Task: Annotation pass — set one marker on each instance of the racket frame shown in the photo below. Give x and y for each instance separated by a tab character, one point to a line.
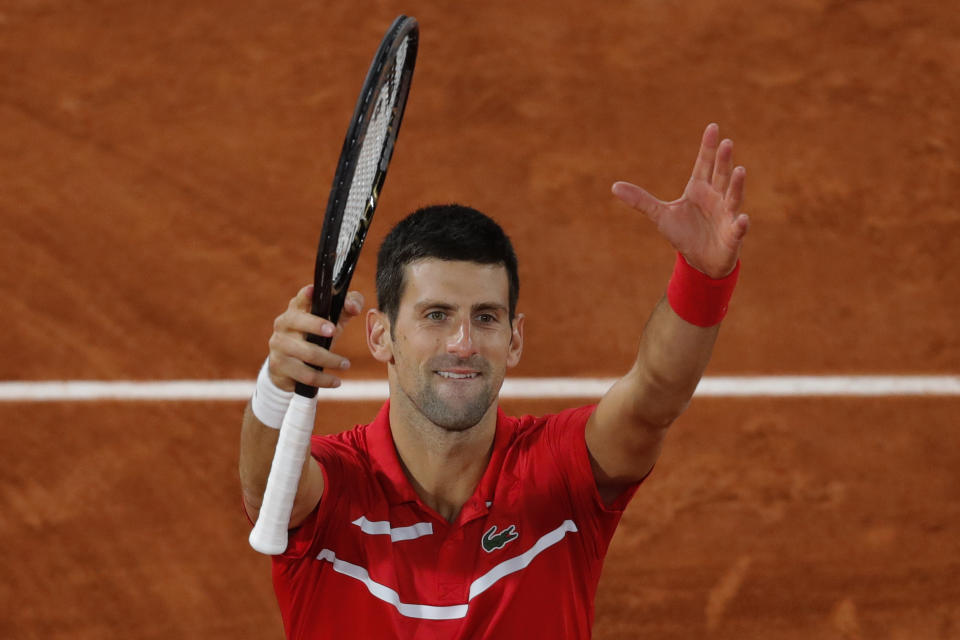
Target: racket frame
329	294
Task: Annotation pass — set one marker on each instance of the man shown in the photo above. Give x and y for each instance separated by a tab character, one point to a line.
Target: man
445	518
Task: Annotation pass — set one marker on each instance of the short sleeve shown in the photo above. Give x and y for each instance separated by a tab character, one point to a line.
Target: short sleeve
566	434
335	462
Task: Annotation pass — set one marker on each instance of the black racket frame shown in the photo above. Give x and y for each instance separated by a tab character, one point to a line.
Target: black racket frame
329	295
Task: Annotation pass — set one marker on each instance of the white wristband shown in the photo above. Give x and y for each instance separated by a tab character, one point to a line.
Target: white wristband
269	403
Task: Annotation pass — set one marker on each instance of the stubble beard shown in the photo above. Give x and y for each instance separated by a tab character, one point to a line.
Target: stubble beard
454	414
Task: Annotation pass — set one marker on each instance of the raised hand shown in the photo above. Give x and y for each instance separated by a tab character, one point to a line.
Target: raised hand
704	224
290	352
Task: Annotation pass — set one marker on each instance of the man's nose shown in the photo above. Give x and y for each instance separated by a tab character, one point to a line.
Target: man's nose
460	343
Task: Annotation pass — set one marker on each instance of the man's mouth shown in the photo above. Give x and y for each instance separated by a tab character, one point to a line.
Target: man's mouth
458	375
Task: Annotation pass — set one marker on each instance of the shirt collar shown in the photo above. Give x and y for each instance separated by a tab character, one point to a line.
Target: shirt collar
389	470
386	461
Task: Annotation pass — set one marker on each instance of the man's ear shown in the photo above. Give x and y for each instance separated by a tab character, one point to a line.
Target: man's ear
378	336
516	341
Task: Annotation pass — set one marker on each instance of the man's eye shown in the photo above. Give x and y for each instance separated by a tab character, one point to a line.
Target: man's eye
436	316
486	318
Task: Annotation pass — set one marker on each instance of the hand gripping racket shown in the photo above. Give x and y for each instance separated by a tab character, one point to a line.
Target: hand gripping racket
356	188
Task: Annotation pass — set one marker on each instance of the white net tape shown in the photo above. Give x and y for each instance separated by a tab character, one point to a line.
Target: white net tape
371	153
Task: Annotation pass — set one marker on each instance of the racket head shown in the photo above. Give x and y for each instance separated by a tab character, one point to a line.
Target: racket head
361	171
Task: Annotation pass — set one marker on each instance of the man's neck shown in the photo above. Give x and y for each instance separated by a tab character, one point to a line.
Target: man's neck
444	467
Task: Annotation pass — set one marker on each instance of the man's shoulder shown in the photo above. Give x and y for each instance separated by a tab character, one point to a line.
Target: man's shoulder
526	424
345	445
529	429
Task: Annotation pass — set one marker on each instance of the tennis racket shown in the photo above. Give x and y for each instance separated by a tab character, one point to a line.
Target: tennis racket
353	198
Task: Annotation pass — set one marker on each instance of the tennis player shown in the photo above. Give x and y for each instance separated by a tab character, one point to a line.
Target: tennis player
444	517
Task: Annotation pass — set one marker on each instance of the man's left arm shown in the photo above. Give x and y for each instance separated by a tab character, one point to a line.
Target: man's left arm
625	433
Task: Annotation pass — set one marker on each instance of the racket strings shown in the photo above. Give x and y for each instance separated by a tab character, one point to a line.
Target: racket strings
361	197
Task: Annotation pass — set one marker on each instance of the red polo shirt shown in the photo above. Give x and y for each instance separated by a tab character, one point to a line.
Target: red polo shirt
521	560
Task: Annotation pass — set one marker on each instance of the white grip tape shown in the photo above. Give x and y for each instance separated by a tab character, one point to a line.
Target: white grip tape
269	535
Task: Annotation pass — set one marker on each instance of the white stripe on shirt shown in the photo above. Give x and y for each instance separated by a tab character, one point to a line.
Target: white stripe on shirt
478	586
521	561
397	534
388	595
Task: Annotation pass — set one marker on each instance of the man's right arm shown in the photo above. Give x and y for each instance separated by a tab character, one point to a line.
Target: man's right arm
289	354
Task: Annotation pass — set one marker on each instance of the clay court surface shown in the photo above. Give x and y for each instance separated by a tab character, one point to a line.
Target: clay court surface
163	169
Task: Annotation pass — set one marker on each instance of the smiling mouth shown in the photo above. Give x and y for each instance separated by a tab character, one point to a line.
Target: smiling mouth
457	376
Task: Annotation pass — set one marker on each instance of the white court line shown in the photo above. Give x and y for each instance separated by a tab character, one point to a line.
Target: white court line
353	390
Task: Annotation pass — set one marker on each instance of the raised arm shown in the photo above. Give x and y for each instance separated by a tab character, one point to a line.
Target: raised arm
625	433
289	351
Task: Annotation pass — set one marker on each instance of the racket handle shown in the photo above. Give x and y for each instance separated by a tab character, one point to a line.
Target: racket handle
269	535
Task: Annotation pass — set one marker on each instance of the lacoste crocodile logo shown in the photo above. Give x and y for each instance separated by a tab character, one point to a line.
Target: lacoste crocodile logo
491	540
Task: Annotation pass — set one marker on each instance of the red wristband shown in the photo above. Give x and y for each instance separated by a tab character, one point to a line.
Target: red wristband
698	298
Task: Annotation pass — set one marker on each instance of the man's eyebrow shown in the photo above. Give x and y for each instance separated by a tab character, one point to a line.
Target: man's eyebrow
447	306
434	304
489	306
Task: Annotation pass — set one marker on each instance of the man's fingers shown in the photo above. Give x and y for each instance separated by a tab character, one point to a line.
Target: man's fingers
286	346
734	195
285	370
637	198
298	316
723	167
310	376
352	305
292	357
703	167
303	300
740	226
300	322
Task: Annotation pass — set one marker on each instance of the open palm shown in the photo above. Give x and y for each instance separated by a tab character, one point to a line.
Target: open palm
704	224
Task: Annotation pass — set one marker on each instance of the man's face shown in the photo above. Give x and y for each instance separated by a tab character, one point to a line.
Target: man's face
452	340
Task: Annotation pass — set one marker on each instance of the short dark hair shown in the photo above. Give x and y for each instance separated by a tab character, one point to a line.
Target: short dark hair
443	232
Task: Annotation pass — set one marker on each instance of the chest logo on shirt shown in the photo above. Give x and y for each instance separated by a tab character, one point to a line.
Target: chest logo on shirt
492	540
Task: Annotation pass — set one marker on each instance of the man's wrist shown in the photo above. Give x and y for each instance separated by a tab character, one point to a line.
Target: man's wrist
698	298
269	403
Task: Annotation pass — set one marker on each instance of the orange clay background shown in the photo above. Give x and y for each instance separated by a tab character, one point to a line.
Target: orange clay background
163	172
